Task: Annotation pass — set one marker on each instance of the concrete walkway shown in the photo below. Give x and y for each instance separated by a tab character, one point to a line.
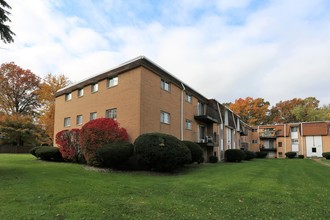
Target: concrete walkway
318	160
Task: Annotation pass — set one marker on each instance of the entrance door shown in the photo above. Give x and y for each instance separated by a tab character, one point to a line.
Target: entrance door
314	146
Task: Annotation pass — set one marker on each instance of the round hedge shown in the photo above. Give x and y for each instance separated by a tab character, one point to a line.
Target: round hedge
326	155
49	153
290	154
261	154
249	155
213	159
196	151
161	152
114	155
234	155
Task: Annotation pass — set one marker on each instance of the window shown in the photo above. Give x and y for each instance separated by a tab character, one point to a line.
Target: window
294	129
313	149
95	87
189	98
201	108
80	92
68	96
165	117
280	154
79	120
67	122
294	141
112	82
254	141
165	85
188	124
254	130
93	116
111	113
279	144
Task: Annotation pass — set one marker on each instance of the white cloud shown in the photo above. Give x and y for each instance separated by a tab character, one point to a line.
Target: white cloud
277	51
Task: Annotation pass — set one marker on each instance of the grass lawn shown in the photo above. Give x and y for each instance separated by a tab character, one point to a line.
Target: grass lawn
259	189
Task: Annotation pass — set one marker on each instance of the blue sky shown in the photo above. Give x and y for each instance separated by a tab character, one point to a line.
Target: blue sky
225	49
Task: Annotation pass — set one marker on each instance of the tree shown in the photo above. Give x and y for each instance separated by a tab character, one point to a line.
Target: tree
298	110
252	111
18	90
19	130
309	111
50	85
282	111
5	32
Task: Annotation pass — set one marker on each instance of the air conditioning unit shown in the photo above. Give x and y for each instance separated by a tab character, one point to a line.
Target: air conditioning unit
209	139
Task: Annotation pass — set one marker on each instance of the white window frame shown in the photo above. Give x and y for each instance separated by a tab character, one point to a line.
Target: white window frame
189	98
80	92
111	113
92	116
165	85
68	96
254	141
165	117
67	122
188	124
79	119
95	87
112	82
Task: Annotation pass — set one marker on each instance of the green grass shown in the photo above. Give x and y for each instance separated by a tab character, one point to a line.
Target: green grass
259	189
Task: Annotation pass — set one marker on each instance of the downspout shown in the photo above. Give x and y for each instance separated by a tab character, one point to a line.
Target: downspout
284	138
302	138
220	130
181	111
235	130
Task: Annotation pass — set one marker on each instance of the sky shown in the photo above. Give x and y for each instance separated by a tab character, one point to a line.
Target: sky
226	49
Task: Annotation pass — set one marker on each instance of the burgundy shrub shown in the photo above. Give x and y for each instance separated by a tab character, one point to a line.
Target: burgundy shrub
98	133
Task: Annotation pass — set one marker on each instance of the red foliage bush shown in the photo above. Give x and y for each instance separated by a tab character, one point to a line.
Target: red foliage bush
68	144
98	133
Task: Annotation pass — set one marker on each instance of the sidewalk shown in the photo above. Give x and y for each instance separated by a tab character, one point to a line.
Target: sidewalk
318	160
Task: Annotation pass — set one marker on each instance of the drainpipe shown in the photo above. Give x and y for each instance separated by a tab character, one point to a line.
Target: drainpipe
220	130
302	138
235	138
284	138
181	112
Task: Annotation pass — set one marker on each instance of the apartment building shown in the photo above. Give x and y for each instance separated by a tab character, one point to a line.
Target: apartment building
310	139
143	98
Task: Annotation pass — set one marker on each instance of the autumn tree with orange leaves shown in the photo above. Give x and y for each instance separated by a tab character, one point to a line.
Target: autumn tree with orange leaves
252	111
18	90
49	86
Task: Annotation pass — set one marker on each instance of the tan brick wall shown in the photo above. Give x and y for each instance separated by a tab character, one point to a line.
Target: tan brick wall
125	97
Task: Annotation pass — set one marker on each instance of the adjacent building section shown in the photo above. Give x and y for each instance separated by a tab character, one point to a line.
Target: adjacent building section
310	139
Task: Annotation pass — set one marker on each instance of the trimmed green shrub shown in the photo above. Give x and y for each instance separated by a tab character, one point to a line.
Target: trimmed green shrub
326	155
249	155
33	150
234	155
114	155
301	156
196	152
161	152
213	159
261	154
49	153
290	154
